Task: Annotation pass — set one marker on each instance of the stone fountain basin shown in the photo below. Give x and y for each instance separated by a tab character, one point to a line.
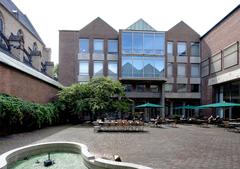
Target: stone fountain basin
89	160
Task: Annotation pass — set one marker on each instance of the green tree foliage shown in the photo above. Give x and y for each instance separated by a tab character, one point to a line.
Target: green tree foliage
19	115
100	95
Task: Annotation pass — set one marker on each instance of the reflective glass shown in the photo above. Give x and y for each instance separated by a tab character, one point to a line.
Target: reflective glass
83	68
195	70
168	87
127	66
83	45
137	66
127	42
169	69
181	87
159	44
112	68
148	43
112	46
149	66
1	24
98	46
195	50
181	48
182	70
98	68
154	88
137	42
159	65
170	48
140	88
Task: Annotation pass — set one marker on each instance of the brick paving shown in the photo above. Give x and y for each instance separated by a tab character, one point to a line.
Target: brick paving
185	147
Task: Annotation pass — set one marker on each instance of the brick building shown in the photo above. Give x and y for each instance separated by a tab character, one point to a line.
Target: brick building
161	67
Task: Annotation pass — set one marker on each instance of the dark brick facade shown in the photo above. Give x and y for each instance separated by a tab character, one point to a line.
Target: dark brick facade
27	87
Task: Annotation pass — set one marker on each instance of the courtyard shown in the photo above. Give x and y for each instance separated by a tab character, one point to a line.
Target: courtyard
185	147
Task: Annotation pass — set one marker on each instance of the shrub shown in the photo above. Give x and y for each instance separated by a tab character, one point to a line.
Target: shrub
19	115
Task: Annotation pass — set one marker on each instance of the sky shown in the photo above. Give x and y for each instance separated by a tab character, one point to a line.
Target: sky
50	16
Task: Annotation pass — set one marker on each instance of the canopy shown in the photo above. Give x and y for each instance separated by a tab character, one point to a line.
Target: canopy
149	105
187	107
218	105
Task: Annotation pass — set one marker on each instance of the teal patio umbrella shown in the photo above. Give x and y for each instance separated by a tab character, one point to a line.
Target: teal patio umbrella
219	105
149	105
188	107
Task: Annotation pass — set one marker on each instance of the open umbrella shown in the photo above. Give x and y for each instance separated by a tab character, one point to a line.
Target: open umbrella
188	107
149	105
218	105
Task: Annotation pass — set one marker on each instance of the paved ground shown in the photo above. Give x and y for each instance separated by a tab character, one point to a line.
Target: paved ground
185	147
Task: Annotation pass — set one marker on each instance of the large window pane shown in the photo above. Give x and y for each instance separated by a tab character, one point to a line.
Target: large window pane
98	45
149	67
98	68
127	67
195	70
83	68
170	48
154	88
181	87
83	45
182	70
182	49
113	46
169	69
137	66
148	43
195	49
168	87
195	87
159	66
137	42
159	44
127	42
140	88
112	68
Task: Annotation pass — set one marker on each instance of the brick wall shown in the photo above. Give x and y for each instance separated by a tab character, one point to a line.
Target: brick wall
27	87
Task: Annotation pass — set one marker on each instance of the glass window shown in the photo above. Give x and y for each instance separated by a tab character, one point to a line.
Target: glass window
148	43
181	87
195	70
98	68
128	87
127	66
194	87
137	66
112	68
126	42
159	44
182	49
98	45
140	88
112	46
169	69
1	24
149	66
170	48
195	49
84	45
168	87
154	88
159	66
137	42
182	69
83	68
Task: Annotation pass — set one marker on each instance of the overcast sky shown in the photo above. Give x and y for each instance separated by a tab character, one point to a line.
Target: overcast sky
50	16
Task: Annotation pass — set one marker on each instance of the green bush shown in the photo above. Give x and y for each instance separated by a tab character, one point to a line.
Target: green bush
19	115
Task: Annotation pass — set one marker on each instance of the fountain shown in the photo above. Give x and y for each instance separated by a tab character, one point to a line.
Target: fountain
59	155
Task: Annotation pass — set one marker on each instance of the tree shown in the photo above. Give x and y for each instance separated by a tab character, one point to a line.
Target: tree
100	95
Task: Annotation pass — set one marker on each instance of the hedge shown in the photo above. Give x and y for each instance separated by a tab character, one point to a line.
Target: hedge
19	115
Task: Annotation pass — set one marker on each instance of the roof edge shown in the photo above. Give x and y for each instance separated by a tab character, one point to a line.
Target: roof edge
222	20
